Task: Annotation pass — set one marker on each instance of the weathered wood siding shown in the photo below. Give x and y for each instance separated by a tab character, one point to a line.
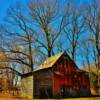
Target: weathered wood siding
67	74
42	79
27	87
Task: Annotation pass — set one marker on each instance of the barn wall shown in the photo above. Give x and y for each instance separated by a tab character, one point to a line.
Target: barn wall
27	87
67	74
42	80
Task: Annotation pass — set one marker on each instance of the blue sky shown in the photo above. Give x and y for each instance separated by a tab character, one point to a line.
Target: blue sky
4	4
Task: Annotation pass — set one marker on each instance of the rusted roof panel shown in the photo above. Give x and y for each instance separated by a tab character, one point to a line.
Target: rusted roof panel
49	62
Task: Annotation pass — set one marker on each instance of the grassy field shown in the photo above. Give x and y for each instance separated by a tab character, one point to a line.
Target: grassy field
96	98
6	96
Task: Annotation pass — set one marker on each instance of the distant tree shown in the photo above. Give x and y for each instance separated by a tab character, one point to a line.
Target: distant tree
32	32
75	27
92	19
48	18
19	39
8	73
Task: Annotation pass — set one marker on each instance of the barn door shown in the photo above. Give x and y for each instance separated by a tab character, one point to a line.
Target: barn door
64	91
45	92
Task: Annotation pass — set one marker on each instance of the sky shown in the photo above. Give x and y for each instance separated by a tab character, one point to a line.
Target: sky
4	5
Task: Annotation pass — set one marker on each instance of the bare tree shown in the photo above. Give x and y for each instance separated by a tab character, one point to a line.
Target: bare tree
8	72
87	51
74	28
35	33
93	25
47	17
19	38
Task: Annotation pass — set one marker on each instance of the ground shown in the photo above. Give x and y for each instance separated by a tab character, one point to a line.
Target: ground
96	98
7	96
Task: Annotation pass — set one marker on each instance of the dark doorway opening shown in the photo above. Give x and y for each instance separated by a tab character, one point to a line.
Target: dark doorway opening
45	92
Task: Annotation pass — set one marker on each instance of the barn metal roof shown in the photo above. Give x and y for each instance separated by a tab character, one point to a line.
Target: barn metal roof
49	62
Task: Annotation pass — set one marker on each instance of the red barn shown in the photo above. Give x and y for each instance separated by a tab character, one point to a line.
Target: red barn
59	77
